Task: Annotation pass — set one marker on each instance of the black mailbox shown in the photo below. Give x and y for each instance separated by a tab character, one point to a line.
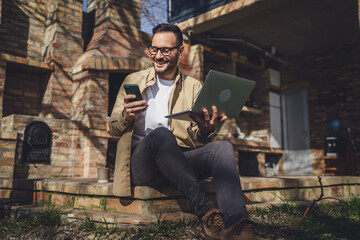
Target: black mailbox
37	143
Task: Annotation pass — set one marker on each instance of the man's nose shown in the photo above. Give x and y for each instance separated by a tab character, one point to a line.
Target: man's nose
159	54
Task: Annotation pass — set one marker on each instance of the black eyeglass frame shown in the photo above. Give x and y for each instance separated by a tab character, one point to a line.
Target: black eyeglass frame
162	48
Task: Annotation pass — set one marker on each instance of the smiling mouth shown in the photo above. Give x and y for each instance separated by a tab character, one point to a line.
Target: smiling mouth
160	63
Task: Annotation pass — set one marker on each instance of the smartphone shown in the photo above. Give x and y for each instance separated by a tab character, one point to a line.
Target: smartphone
133	89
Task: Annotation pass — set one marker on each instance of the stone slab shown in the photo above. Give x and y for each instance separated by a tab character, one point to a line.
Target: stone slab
90	186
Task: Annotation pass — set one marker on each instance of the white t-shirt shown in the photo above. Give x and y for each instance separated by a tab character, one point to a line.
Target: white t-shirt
157	96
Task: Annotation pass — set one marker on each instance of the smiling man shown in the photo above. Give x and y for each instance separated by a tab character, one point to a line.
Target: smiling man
165	58
155	151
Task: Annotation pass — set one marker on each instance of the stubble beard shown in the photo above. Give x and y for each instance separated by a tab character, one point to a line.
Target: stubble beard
172	64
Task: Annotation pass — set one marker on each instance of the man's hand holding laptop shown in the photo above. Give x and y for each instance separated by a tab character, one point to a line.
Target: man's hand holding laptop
206	122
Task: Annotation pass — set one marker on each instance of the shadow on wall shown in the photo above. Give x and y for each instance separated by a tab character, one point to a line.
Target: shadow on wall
24	89
14	29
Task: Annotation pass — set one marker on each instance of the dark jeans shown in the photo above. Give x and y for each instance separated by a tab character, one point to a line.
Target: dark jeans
158	160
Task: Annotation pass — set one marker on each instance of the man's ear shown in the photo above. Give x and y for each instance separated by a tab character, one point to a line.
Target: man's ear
181	50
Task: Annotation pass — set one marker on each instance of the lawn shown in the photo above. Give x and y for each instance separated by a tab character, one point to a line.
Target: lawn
339	219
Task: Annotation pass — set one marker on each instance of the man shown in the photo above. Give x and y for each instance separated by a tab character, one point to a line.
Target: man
155	151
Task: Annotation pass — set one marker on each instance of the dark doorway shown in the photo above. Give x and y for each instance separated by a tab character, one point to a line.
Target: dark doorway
115	81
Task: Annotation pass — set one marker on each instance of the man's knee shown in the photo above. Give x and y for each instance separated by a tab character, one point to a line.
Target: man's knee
222	145
162	135
161	132
223	152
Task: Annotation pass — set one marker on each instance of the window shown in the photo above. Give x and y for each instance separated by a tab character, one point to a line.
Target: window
275	120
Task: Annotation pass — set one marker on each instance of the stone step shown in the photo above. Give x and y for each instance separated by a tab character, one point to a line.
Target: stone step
88	194
123	219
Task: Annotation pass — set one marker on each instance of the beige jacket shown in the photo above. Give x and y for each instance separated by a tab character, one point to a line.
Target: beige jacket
187	133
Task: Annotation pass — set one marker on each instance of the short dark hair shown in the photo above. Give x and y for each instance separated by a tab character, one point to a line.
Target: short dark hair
167	27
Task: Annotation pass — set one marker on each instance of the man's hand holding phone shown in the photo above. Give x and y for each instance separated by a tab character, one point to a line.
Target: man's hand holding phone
133	102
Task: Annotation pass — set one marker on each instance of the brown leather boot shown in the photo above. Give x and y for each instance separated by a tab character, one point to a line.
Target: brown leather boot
213	223
243	230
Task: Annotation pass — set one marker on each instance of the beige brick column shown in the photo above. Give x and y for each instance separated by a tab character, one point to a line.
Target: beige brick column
90	103
90	100
197	62
62	47
94	155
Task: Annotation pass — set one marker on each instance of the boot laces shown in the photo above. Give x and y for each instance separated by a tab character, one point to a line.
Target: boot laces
215	220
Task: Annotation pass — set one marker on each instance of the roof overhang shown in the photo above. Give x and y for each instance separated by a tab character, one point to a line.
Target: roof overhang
281	27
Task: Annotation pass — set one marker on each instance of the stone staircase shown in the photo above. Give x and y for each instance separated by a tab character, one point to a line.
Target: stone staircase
83	197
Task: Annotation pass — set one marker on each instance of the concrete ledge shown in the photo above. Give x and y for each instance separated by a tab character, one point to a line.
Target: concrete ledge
90	186
148	203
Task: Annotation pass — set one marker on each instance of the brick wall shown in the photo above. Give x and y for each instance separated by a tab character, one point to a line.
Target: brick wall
331	77
38	82
197	62
116	33
90	100
63	45
90	110
24	89
94	155
66	150
8	142
117	45
22	28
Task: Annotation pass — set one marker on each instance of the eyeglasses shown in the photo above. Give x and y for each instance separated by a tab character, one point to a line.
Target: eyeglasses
166	51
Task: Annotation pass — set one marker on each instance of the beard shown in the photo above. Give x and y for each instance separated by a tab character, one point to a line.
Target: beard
164	66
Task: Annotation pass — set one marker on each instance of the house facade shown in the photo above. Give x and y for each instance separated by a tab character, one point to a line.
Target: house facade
61	68
304	57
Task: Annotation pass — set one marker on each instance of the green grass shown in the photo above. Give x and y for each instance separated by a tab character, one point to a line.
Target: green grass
162	229
101	230
324	221
51	217
330	221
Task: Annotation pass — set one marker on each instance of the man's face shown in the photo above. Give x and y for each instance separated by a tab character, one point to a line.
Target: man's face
165	66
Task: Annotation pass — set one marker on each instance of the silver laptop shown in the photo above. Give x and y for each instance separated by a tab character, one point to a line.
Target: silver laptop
227	92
